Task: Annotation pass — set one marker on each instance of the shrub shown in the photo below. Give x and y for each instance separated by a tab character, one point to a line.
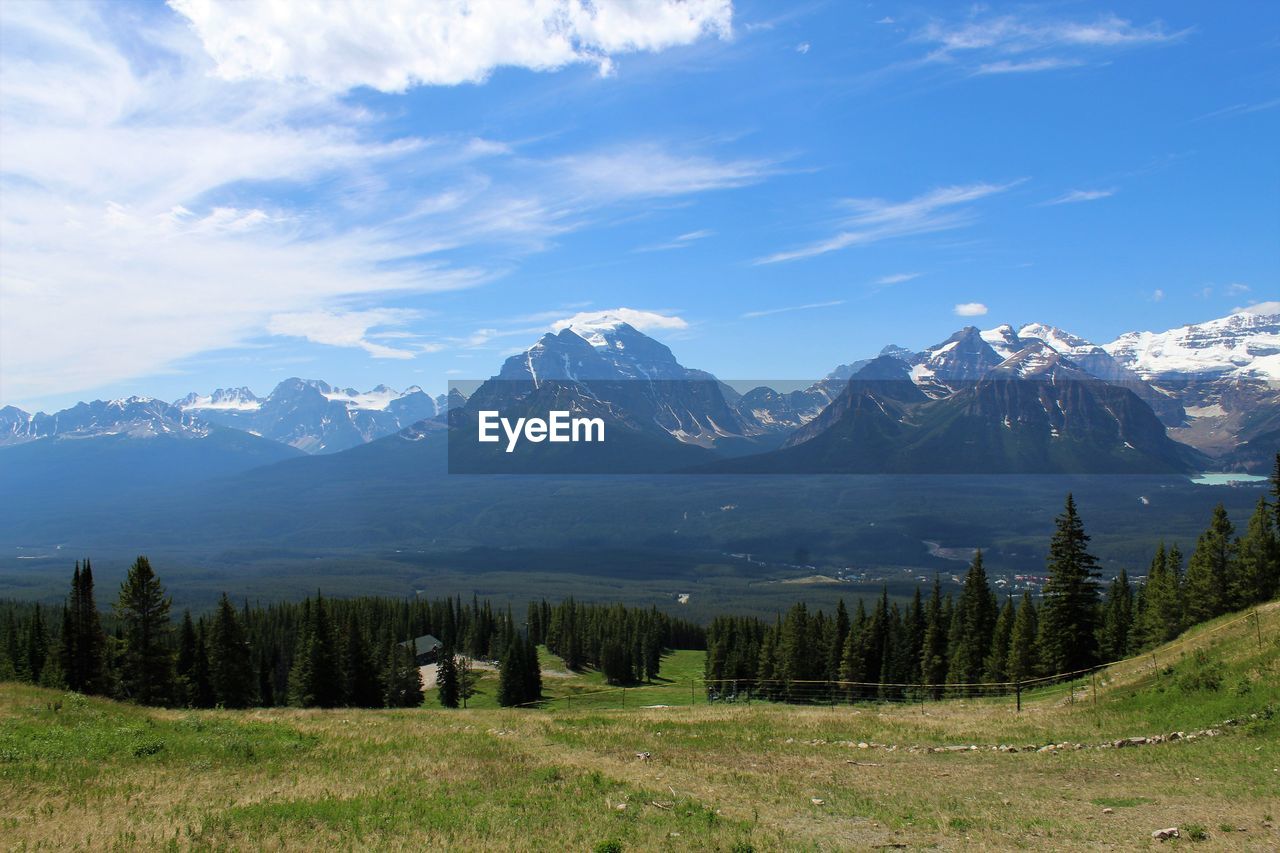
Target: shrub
1203	674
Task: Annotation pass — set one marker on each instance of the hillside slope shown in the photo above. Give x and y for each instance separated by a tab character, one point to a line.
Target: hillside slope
92	773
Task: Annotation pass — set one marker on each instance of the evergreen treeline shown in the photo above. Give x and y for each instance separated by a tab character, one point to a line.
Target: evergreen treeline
319	652
332	652
947	645
626	645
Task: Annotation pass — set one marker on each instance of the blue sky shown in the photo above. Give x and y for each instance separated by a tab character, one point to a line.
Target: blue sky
204	194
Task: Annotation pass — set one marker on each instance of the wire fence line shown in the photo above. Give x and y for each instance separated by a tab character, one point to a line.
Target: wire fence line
833	692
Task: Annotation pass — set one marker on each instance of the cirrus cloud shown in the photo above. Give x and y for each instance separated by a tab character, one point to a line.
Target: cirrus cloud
970	309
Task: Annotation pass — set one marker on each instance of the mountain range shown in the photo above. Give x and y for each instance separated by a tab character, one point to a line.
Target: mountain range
1032	399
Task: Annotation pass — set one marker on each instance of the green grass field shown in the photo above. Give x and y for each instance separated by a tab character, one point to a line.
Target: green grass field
93	774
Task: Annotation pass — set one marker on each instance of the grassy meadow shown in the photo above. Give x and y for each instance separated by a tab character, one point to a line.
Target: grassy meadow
78	773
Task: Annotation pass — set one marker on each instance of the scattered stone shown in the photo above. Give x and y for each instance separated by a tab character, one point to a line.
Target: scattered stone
1166	834
817	802
862	744
1108	811
622	807
643	756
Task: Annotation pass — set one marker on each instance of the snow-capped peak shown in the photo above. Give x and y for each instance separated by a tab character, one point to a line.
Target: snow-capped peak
376	399
1003	339
609	329
1246	343
1064	342
223	399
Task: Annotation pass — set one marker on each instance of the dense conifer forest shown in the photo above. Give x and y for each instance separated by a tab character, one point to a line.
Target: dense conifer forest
326	653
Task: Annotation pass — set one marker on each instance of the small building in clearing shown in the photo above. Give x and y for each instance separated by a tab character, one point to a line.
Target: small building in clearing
426	648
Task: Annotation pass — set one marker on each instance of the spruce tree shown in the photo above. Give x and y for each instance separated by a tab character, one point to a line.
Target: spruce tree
360	683
1210	570
1275	494
1163	610
1117	619
1023	660
315	681
1069	616
532	673
511	673
230	664
91	641
972	624
767	665
69	636
402	679
840	633
997	663
447	690
185	691
36	648
793	659
146	663
933	655
1258	570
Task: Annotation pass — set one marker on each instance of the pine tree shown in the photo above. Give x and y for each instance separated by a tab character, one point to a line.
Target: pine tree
793	659
315	681
1163	613
532	673
1258	573
1211	569
1117	619
146	664
230	664
360	684
36	647
10	648
767	665
69	636
1275	494
511	673
185	691
91	641
933	655
839	634
1069	616
1023	658
972	624
447	690
914	626
402	679
997	664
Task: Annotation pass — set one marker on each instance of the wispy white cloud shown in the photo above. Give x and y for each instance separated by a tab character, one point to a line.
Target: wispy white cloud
873	219
1077	196
1241	109
896	278
682	241
351	329
802	47
1157	295
768	312
1030	66
970	309
146	195
1024	43
339	45
642	320
1236	288
647	170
